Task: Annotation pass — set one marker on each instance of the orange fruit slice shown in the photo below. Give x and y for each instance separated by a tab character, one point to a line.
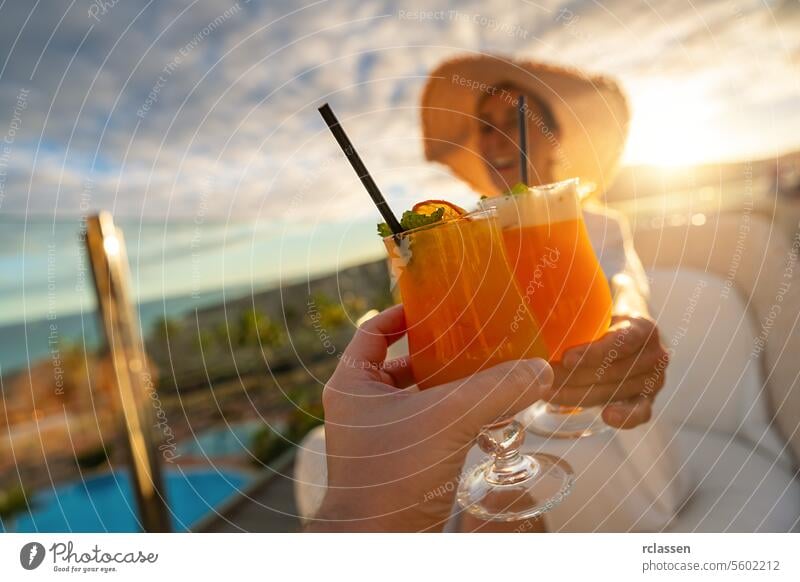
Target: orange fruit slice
451	211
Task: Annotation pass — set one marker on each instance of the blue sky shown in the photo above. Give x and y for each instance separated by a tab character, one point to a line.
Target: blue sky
236	106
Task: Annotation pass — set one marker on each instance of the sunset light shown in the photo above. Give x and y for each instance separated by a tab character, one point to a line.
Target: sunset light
673	125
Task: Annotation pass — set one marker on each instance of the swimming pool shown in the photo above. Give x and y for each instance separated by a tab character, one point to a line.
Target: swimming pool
105	503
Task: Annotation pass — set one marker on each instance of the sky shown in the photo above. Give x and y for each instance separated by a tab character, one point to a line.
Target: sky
207	109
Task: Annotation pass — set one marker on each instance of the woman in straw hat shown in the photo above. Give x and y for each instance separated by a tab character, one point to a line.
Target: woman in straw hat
577	127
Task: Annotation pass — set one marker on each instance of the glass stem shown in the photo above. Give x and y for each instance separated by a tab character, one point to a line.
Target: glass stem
502	441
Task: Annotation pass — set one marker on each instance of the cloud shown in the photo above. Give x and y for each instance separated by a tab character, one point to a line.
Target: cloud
191	107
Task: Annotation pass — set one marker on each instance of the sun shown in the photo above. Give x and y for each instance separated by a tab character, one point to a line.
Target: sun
670	127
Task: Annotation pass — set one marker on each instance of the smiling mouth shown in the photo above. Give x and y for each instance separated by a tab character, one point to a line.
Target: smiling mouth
503	164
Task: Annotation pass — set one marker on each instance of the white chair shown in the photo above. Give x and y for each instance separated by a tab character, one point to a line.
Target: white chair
755	257
740	470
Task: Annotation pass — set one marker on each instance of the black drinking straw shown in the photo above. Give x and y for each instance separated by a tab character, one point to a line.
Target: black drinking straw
523	140
360	168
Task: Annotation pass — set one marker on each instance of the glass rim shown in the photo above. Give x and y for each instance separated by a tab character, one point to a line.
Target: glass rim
543	190
479	213
560	184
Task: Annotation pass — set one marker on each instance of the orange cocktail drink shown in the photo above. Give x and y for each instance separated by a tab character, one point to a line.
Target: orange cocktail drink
569	295
556	268
464	312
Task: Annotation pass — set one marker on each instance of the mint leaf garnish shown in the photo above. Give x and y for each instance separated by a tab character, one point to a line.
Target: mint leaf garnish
384	230
411	220
518	188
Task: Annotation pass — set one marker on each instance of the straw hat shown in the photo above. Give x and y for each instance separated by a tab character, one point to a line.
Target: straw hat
591	112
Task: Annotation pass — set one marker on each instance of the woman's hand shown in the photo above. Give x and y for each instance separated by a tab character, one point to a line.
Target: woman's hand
623	371
394	455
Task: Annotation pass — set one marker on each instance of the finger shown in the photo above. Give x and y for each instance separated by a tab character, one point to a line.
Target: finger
599	394
372	339
622	340
485	397
611	371
628	413
400	372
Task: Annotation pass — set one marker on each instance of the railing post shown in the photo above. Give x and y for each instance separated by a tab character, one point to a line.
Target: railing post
106	247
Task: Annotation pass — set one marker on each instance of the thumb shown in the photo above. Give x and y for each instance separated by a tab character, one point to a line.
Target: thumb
503	390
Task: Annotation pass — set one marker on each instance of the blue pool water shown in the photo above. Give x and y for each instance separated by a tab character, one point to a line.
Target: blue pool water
105	502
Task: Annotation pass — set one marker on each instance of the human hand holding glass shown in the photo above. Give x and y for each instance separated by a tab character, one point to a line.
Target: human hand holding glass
394	454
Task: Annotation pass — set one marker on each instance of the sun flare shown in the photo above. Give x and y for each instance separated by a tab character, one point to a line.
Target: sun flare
669	127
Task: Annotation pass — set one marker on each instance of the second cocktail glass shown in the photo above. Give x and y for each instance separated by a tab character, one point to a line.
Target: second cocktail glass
561	281
464	313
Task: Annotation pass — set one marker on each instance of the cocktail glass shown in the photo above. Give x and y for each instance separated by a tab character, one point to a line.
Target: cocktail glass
464	313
